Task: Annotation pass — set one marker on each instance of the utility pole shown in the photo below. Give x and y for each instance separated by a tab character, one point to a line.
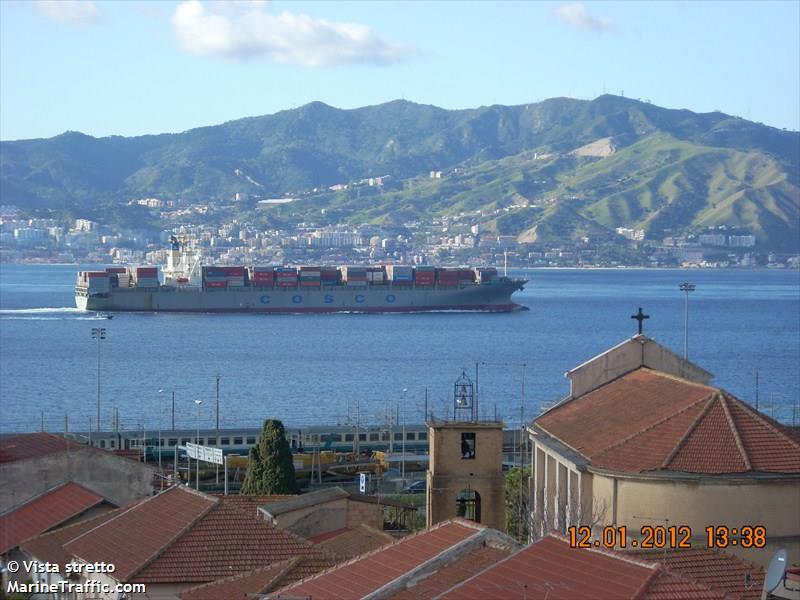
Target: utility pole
98	334
686	287
216	476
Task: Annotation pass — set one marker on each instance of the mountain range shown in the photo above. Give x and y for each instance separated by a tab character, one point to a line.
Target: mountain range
557	169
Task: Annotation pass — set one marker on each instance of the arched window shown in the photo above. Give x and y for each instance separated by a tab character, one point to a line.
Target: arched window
468	505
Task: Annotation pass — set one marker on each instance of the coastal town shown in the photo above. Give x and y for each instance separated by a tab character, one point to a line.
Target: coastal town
225	238
658	503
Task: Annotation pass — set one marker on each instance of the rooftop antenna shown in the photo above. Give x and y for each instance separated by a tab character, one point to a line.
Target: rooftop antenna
776	573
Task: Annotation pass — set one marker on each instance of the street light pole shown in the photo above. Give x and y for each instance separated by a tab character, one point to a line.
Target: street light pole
158	443
686	287
403	464
197	441
98	333
216	477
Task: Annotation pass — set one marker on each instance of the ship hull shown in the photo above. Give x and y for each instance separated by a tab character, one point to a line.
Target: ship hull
491	297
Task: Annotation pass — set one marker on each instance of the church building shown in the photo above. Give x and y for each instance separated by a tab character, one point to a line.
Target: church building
644	439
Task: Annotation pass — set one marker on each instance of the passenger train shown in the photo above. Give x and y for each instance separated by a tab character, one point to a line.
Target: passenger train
239	441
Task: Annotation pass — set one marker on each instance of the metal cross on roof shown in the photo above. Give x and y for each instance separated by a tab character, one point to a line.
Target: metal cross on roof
640	316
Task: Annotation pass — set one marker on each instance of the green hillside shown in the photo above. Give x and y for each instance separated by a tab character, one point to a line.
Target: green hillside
569	168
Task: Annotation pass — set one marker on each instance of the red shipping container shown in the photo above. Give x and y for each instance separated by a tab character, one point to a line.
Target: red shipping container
96	274
286	283
116	270
309	283
216	284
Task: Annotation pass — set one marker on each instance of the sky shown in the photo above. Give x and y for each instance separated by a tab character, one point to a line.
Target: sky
134	68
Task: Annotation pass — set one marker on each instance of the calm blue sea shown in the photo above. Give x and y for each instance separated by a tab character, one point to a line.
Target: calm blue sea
309	369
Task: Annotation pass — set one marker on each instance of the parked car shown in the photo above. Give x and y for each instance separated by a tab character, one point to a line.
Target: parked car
416	487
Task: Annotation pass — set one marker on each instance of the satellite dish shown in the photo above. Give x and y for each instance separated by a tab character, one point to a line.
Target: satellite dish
776	571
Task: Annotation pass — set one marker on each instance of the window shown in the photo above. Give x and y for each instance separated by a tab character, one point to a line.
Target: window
251	440
468	445
398	437
362	437
348	437
334	437
212	441
102	443
385	436
374	437
224	441
113	444
423	435
237	441
409	435
173	441
184	441
468	505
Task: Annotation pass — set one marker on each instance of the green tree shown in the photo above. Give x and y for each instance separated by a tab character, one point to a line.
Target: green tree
270	469
517	504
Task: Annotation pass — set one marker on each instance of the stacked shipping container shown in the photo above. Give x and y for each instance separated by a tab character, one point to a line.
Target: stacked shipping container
425	276
354	276
285	276
310	276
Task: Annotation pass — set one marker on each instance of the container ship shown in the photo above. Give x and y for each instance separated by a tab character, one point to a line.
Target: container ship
188	286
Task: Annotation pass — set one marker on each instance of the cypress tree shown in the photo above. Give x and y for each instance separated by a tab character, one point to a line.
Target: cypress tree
270	469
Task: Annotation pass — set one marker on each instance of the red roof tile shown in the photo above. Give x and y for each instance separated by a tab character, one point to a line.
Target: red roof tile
137	535
35	445
44	513
224	541
249	504
649	421
49	547
259	581
369	572
670	586
550	568
719	571
348	543
457	571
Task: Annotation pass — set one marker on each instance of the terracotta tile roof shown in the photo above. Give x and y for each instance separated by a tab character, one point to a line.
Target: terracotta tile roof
133	538
369	572
49	547
457	571
550	568
670	586
44	513
35	445
250	504
651	421
301	501
719	571
382	500
259	581
348	543
224	541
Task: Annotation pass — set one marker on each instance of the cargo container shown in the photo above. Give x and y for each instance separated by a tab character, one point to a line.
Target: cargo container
216	284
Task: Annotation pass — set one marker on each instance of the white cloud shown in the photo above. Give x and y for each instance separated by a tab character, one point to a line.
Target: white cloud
246	30
576	15
74	12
